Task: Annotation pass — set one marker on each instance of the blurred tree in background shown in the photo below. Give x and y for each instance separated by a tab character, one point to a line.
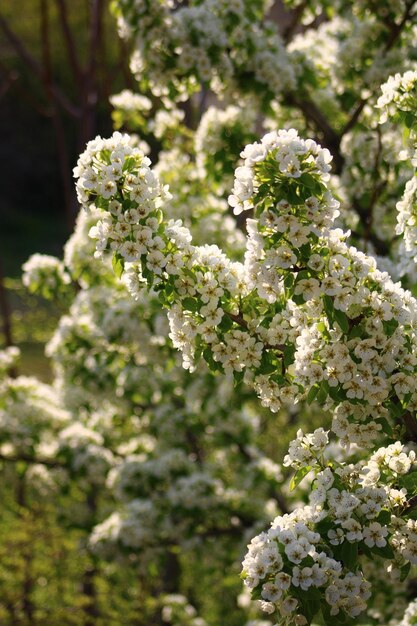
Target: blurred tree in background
59	62
130	484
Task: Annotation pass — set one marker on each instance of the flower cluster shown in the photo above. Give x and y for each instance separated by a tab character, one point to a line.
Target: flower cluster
126	100
30	414
212	42
335	59
79	253
45	275
131	110
310	558
399	103
407	218
114	365
170	462
115	176
288	560
305	315
291	156
398	95
85	454
94	356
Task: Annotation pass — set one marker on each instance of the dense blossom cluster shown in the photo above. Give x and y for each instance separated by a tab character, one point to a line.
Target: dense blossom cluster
211	42
129	101
339	57
162	463
398	102
334	324
354	509
113	174
304	316
398	94
290	309
45	274
30	414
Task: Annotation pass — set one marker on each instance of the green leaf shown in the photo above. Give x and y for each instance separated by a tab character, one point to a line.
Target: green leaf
329	309
312	393
213	365
190	304
337	394
409	481
356	331
298	476
268	364
386	427
293	197
323	526
289	352
302	275
310	603
342	320
277	237
308	181
305	251
238	377
395	409
386	552
323	392
332	620
129	164
384	517
409	118
118	264
226	323
390	327
298	299
289	281
147	275
321	326
405	570
347	553
257	593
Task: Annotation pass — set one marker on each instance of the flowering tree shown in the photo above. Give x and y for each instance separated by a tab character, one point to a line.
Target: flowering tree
301	311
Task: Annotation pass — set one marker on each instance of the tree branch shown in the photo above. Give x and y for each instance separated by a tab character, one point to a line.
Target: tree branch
295	19
27	458
70	45
36	68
